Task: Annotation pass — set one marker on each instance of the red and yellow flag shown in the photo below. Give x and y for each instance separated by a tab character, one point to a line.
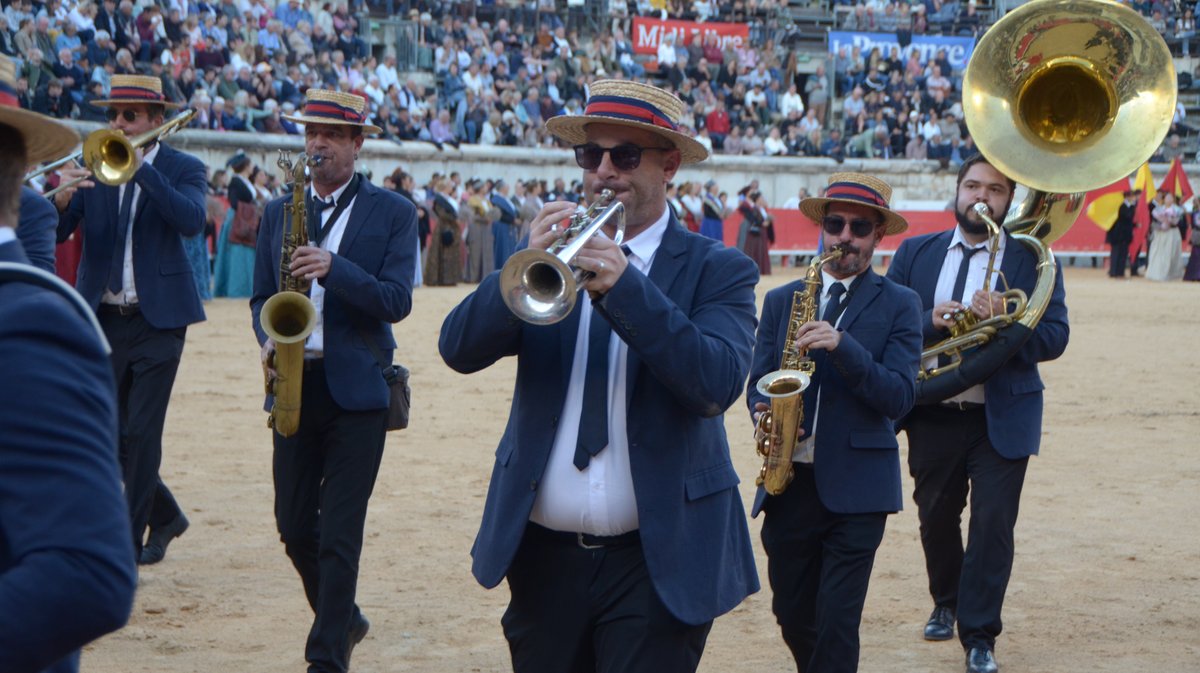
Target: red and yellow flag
1176	182
1103	204
1145	182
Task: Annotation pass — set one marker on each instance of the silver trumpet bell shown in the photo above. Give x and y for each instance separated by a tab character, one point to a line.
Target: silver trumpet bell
540	286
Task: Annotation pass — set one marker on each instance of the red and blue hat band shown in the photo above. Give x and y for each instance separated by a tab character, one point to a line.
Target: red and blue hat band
853	191
331	110
621	107
135	93
8	95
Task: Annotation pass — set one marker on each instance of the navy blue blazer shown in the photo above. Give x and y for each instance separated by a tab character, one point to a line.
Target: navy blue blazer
866	383
1014	393
369	286
67	572
170	206
689	326
36	229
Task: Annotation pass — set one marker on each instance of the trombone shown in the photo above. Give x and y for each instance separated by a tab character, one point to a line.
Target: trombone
109	155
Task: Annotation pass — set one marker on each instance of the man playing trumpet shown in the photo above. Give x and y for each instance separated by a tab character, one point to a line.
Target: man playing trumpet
613	509
136	275
821	533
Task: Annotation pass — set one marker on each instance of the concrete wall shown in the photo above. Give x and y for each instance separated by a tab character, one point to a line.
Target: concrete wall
779	178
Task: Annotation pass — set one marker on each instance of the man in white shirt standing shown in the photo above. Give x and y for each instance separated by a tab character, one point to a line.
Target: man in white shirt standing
360	260
613	510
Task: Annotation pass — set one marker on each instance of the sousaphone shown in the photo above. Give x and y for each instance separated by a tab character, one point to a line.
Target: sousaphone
1062	96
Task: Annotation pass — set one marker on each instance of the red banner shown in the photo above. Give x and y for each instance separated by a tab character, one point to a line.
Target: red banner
648	33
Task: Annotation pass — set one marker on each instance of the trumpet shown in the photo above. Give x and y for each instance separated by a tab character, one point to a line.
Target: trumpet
541	286
109	155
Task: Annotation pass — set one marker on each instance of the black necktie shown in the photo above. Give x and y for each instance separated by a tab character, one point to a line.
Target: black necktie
834	305
593	417
960	283
116	271
316	207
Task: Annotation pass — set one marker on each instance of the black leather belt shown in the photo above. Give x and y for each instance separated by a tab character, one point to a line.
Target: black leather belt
584	540
961	406
120	309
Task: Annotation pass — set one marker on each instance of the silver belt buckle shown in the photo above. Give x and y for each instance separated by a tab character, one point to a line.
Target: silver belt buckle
584	545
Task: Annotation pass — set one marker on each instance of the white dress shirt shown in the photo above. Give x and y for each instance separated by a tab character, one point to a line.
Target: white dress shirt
945	287
314	347
128	293
599	499
804	448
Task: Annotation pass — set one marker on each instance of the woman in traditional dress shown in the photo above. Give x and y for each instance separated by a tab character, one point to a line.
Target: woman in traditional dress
1165	262
234	273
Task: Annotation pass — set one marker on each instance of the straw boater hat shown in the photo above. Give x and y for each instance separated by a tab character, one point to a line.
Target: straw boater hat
135	90
45	138
860	190
322	106
625	103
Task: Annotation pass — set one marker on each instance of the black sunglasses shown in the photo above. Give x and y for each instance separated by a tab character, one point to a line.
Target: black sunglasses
625	157
128	114
860	227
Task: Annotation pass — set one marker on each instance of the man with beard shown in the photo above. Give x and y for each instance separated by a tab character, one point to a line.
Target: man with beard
821	533
981	439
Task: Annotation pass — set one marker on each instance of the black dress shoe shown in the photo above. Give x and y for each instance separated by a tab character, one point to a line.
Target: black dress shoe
156	546
980	660
940	625
358	631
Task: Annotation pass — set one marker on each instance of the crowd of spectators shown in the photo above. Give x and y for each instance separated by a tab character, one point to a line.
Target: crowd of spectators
242	64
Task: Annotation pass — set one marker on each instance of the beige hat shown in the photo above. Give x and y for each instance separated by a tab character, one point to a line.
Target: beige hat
860	190
626	103
45	138
322	106
136	89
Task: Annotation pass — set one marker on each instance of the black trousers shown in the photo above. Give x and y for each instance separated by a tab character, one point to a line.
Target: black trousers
819	565
949	456
578	610
144	360
1117	260
324	475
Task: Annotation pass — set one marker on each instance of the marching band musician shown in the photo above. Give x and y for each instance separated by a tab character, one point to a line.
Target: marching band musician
361	258
136	275
66	574
613	508
980	440
821	533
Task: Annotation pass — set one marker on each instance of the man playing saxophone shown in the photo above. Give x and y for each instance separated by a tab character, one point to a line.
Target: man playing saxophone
821	532
360	256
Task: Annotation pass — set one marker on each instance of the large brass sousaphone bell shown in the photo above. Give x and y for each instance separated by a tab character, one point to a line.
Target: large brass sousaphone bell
1062	96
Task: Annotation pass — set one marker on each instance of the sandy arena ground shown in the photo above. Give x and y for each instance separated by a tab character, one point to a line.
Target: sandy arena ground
1107	574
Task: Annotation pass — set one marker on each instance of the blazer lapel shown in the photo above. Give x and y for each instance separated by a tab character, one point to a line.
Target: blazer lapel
568	334
364	202
864	294
1012	266
927	269
161	161
668	262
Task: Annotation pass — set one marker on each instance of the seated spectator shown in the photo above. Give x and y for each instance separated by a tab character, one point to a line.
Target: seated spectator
752	144
774	146
51	101
854	105
733	141
937	82
833	148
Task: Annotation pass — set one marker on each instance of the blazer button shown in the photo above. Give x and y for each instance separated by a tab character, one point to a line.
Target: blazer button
533	485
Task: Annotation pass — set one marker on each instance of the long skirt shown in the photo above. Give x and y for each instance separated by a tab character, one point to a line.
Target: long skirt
196	248
712	228
480	252
1193	267
443	256
1165	262
504	242
758	249
234	272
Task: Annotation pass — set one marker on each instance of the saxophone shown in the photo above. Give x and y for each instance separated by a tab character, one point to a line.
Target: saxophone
777	429
288	316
